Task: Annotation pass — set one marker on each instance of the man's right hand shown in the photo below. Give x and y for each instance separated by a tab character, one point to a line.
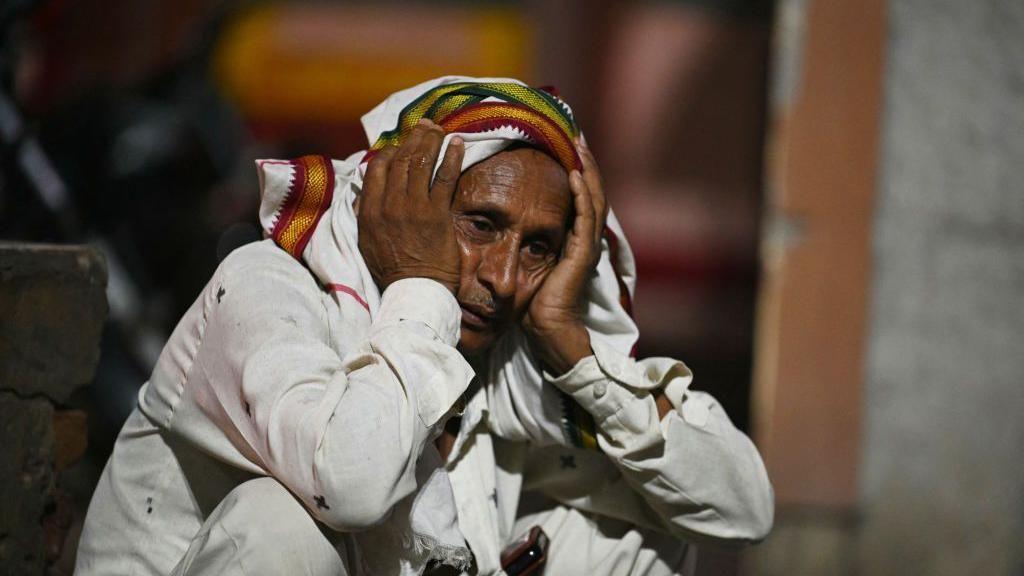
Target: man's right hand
405	223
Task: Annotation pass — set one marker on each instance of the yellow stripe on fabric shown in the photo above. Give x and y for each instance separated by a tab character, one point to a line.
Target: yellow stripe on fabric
311	197
579	425
586	428
449	100
529	97
416	113
587	435
449	105
411	116
561	145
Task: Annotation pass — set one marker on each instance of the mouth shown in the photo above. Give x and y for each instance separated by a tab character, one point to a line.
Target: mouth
477	317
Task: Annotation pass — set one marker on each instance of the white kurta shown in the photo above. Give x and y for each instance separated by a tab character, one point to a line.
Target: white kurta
268	374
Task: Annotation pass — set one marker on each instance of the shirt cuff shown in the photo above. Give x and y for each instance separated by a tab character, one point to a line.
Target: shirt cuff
595	382
425	301
616	390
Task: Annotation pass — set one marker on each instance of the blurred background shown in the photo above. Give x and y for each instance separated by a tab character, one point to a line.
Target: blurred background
824	198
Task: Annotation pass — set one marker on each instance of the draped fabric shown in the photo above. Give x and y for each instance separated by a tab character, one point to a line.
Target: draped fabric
307	207
474	107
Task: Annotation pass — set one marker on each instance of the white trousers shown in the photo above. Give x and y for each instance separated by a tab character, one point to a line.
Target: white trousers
260	528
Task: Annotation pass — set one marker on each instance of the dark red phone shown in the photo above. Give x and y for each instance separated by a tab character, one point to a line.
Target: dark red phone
526	555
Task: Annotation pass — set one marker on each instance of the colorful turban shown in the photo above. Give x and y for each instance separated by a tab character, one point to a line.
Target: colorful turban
307	203
482	107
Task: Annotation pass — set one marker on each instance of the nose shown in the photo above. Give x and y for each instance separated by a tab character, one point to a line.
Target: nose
499	268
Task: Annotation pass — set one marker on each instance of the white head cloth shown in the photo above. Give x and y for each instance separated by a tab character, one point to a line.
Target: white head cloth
325	238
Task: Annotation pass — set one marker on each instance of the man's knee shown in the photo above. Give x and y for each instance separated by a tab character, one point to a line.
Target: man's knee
261	528
266	504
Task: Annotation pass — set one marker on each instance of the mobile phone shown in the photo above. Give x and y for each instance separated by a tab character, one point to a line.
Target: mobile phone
527	554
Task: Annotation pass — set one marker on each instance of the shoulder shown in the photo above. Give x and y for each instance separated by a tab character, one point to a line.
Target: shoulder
262	277
262	264
264	259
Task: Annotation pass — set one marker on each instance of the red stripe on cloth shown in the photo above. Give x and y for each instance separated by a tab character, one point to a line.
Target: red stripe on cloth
325	200
347	290
484	116
309	195
291	199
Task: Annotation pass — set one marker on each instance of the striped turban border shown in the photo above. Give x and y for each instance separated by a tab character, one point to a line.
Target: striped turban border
541	116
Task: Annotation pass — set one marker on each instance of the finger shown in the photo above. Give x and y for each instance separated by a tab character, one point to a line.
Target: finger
398	173
423	160
376	178
592	177
583	225
448	173
591	173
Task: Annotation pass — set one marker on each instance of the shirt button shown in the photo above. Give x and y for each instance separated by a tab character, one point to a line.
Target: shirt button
600	389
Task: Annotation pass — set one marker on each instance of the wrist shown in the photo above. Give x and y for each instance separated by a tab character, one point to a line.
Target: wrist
562	346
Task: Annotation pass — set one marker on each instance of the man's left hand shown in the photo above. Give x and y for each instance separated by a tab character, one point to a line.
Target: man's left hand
554	320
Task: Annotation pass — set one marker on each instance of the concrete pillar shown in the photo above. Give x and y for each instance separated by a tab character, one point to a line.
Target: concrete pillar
929	479
942	477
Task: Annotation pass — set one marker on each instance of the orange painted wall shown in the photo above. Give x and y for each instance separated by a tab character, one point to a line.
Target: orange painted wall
821	173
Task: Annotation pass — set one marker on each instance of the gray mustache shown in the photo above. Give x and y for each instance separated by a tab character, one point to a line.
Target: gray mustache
482	300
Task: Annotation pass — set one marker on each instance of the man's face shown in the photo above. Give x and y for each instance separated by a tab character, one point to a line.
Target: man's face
511	214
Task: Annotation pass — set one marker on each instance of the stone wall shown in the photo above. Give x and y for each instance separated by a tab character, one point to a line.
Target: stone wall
942	479
52	308
940	476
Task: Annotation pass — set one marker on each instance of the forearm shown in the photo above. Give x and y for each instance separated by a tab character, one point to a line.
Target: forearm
342	433
364	457
703	477
400	386
571	346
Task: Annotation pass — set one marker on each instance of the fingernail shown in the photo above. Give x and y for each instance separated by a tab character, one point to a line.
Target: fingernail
575	175
583	140
424	122
457	141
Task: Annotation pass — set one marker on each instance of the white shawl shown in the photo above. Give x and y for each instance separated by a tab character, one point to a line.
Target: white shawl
522	407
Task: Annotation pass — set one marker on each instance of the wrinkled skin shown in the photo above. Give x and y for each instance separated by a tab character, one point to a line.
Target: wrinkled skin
404	220
511	214
515	238
530	237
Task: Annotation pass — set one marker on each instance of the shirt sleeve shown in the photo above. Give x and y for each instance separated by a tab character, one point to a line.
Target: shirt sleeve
696	471
341	429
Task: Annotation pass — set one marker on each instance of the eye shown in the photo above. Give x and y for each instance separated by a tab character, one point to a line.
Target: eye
537	255
538	248
481	225
477	228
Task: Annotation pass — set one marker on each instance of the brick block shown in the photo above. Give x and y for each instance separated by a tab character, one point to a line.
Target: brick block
26	482
52	305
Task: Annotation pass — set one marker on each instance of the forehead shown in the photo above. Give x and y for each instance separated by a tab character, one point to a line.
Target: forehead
521	181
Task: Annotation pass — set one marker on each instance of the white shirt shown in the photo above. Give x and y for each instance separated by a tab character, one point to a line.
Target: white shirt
266	375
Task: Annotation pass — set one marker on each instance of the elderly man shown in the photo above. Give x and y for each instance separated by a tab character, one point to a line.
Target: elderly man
426	360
